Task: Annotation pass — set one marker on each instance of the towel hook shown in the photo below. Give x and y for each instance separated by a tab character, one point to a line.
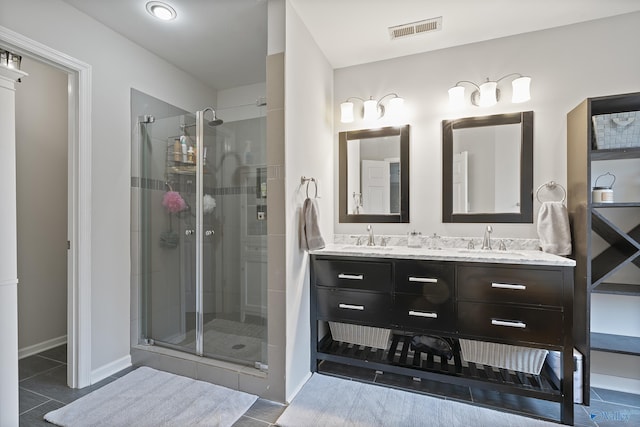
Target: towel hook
304	179
551	185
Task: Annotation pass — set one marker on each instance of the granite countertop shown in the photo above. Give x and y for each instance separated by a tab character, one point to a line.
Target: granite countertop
530	257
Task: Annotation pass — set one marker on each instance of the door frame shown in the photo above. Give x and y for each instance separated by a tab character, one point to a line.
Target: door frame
79	200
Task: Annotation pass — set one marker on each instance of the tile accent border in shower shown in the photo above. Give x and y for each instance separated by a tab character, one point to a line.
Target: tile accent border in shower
158	184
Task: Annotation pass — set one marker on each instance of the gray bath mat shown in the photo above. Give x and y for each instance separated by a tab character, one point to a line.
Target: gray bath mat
326	401
147	397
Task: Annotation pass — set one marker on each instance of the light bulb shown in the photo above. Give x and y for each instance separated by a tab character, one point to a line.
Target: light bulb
488	96
521	91
456	97
370	109
346	112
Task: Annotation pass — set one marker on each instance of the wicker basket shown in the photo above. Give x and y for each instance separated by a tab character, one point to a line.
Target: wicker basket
617	130
514	358
367	336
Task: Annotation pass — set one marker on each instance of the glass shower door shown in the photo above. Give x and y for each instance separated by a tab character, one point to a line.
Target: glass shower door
203	236
168	232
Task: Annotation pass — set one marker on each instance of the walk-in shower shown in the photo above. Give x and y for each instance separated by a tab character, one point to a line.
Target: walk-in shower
203	234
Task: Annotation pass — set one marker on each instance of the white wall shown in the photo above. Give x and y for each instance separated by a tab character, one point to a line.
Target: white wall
308	152
117	65
566	65
41	168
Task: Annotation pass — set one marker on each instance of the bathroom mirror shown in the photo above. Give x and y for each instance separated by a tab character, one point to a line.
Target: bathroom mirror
374	175
487	166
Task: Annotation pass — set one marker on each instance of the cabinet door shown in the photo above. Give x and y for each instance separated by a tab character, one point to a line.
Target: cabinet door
510	322
368	308
363	275
510	285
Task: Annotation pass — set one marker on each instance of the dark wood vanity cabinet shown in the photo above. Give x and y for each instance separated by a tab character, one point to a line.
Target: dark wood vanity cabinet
523	305
423	296
354	292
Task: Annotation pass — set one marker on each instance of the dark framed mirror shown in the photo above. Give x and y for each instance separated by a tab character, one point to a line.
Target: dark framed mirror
374	175
487	167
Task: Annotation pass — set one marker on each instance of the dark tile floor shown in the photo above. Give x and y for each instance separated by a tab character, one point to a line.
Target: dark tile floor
43	388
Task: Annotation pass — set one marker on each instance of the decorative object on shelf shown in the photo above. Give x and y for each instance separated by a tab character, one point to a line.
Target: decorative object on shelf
603	193
488	94
616	130
10	60
372	109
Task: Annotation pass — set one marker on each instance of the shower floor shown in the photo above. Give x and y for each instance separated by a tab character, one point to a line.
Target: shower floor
229	339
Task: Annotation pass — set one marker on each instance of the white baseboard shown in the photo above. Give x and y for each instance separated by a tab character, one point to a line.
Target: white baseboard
40	347
610	382
110	369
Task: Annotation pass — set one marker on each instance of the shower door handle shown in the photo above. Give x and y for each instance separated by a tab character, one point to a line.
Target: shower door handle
189	232
209	233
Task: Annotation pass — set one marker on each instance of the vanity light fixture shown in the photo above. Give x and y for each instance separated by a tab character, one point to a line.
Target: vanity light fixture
10	60
161	10
488	94
371	109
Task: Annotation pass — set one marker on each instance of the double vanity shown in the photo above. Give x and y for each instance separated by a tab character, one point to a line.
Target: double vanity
519	298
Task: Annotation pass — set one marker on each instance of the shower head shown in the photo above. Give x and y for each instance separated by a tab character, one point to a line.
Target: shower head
214	121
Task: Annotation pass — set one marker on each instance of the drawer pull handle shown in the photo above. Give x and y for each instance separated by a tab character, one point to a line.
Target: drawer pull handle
423	314
508	286
512	324
351	306
423	280
351	276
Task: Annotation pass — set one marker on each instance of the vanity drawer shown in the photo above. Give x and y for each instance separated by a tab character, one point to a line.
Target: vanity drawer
434	279
512	285
510	322
364	275
355	307
420	312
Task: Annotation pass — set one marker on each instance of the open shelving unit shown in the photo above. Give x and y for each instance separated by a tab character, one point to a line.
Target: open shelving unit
595	272
400	358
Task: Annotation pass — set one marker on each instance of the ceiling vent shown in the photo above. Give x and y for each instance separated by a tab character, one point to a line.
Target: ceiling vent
415	28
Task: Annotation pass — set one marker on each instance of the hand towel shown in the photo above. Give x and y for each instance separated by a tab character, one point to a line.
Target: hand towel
310	237
553	228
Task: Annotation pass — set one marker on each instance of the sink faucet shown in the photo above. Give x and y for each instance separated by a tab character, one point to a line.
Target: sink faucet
486	241
371	241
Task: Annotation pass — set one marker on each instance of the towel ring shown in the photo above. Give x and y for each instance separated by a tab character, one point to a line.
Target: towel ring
551	185
315	183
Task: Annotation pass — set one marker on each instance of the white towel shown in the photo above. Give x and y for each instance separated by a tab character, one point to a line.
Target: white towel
310	237
553	228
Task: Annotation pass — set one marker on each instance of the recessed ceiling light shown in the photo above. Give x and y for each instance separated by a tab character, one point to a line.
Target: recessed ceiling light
161	10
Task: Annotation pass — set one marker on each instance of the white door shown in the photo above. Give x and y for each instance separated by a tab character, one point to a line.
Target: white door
461	182
376	179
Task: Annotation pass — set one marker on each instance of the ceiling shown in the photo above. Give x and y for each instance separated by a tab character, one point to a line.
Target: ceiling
223	42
